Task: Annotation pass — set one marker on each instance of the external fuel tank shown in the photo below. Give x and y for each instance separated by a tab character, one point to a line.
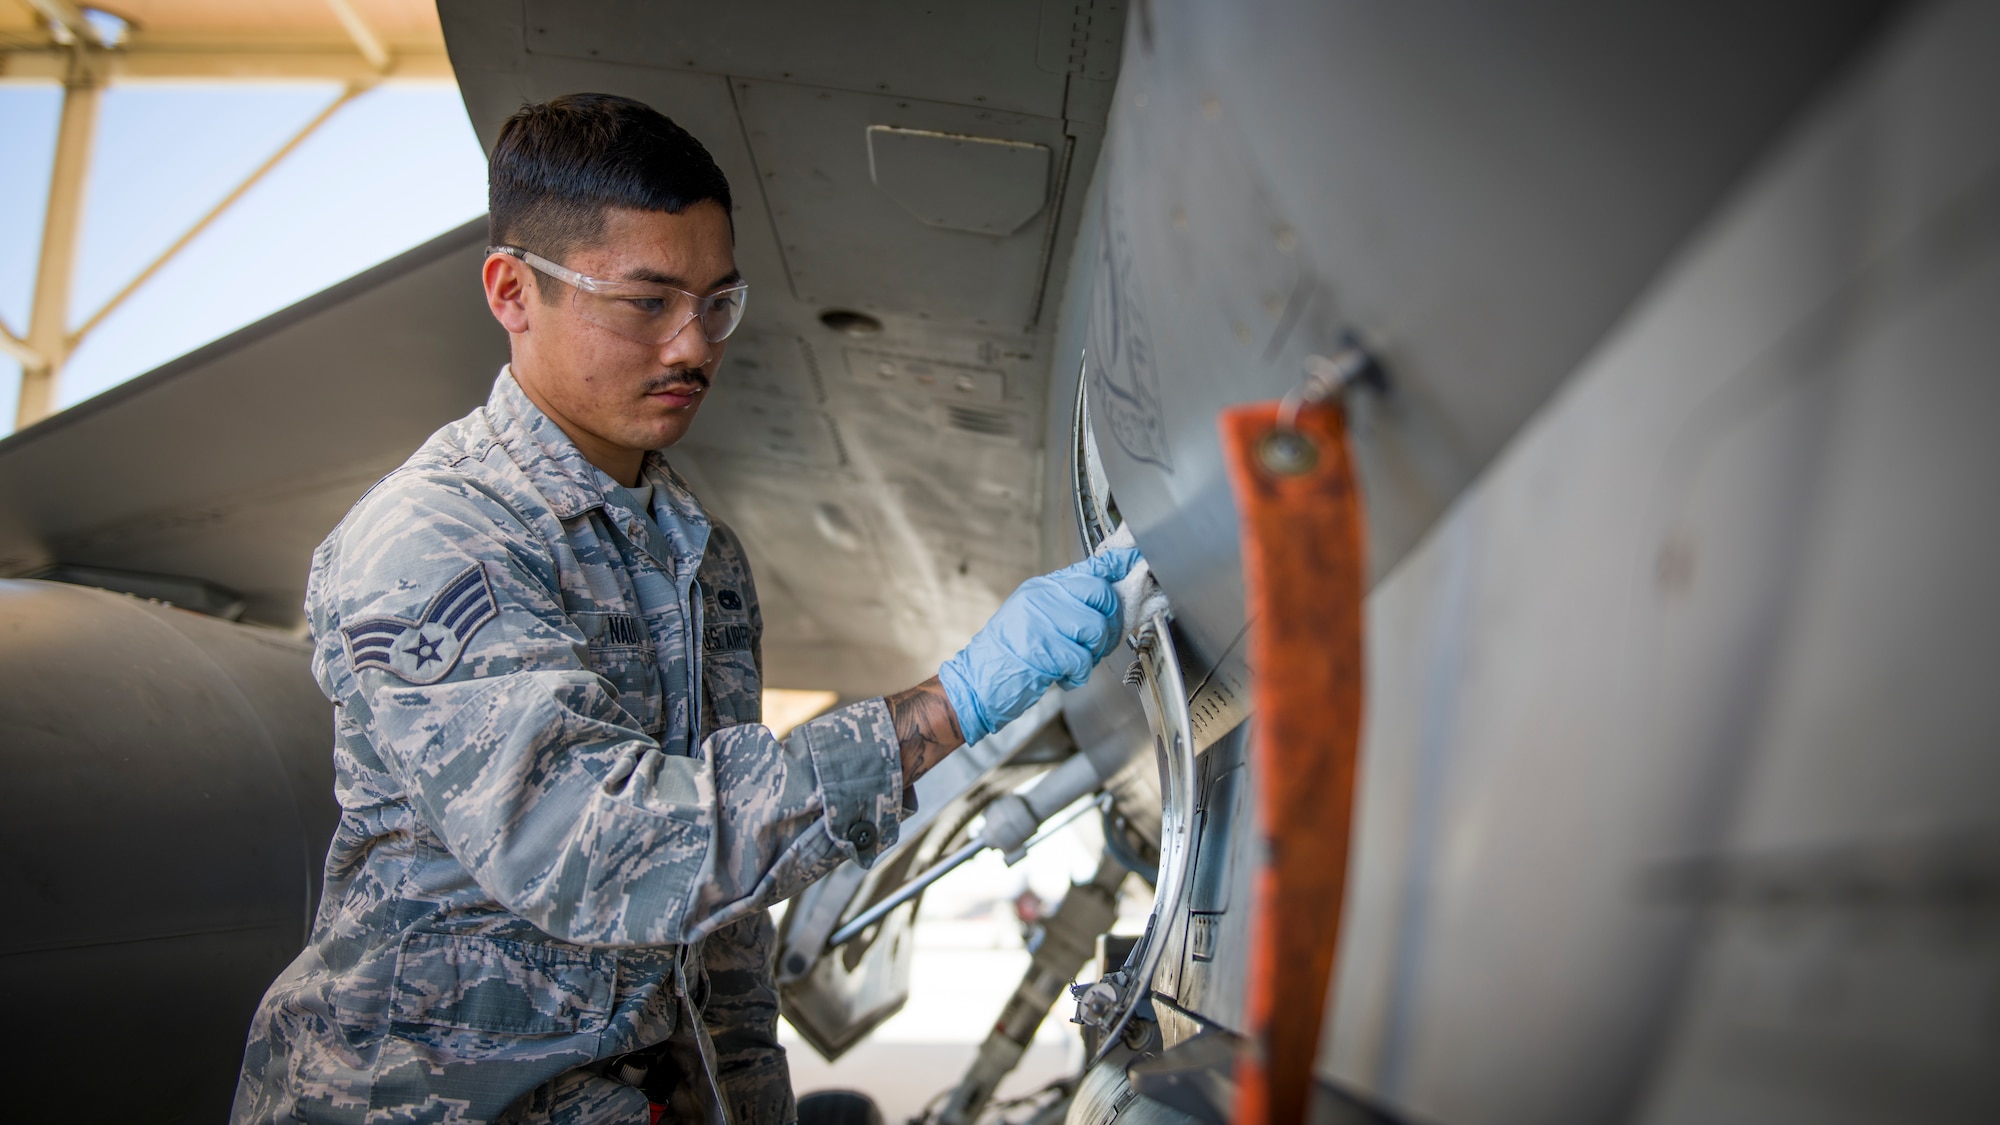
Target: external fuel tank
167	803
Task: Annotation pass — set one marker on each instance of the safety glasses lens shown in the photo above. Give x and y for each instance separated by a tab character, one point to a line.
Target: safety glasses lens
656	320
723	313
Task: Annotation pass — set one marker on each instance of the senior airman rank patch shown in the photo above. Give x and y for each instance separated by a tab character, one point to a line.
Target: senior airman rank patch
422	651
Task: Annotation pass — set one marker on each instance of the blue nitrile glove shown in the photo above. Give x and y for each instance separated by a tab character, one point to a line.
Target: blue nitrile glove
1053	630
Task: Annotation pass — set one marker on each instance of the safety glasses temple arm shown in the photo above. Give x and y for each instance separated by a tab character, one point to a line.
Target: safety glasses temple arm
615	288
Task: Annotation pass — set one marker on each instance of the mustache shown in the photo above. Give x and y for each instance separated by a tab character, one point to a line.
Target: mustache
680	378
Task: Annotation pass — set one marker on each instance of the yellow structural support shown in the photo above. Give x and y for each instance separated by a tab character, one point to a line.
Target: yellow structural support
47	343
328	43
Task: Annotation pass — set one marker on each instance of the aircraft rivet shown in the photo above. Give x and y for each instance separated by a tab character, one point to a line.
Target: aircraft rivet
1287	453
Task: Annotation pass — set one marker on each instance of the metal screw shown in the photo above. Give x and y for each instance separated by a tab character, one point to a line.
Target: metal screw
1095	1002
1287	453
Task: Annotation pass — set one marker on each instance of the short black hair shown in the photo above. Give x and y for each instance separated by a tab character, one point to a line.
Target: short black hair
559	164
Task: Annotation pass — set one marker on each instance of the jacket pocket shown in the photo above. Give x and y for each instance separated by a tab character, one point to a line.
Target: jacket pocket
622	653
734	690
643	870
501	986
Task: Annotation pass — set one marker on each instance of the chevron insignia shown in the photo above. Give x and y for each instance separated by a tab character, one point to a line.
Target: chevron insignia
422	651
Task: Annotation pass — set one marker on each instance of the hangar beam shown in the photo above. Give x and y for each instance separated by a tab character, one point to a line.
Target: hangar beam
47	342
335	43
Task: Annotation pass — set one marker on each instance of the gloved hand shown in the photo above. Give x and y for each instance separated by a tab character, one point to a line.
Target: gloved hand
1053	630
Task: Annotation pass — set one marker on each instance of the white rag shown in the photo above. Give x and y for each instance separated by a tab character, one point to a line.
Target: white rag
1139	596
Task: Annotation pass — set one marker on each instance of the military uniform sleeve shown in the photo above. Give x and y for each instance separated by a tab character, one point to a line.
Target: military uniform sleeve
441	632
742	1018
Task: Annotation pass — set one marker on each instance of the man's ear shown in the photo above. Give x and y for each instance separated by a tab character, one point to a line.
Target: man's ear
508	290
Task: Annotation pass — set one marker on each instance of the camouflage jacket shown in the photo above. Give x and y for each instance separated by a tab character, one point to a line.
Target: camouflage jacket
548	790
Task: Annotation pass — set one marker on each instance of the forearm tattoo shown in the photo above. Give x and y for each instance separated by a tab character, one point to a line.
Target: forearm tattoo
925	725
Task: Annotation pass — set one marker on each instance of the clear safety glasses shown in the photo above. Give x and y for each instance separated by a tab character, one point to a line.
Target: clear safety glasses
646	311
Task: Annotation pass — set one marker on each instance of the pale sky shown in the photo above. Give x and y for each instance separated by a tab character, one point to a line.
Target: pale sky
393	168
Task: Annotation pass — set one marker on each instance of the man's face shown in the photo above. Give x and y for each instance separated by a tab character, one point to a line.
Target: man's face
617	397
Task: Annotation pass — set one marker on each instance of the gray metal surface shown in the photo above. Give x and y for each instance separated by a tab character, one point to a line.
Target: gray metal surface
869	246
1201	979
1104	1095
1164	695
168	803
1011	55
1678	788
958	182
1677	791
1479	192
1480	214
228	465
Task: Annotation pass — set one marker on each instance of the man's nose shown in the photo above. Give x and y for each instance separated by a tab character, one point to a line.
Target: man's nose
688	349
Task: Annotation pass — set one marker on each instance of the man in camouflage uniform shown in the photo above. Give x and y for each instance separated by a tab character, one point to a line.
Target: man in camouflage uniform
562	819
